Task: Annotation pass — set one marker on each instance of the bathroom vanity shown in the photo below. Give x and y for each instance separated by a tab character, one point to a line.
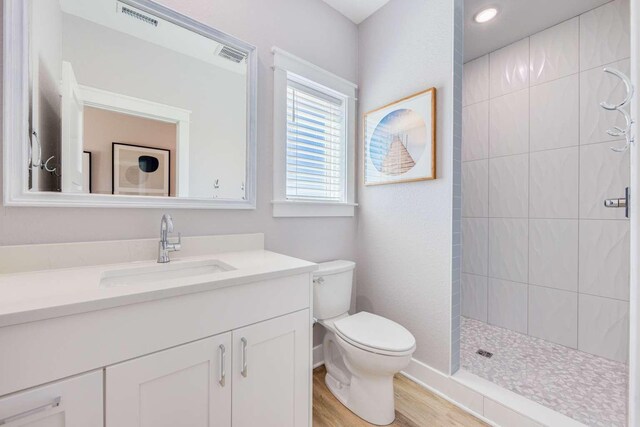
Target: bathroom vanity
215	338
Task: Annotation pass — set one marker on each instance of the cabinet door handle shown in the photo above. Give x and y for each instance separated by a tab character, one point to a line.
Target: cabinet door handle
53	404
244	357
223	373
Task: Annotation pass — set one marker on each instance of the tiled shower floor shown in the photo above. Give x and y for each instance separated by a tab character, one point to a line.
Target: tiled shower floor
587	388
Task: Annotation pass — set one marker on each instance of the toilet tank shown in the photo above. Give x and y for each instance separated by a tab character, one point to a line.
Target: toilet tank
332	284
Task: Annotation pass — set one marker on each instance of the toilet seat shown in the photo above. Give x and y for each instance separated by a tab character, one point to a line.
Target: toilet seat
375	334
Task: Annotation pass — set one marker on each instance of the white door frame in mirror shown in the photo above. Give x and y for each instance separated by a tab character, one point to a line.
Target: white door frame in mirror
16	120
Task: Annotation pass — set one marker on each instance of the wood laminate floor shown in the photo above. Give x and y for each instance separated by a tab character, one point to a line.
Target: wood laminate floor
415	407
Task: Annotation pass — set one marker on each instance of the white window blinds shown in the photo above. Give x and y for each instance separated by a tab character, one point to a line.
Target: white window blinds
315	144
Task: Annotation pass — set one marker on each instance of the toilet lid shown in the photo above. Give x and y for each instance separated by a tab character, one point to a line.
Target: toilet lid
375	332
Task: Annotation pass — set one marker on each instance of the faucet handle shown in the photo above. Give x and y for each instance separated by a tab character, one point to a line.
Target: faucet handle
176	246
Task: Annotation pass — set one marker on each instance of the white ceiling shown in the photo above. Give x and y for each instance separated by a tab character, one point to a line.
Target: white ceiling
167	35
516	19
356	10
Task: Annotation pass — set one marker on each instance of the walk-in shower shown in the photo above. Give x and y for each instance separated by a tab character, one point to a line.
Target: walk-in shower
545	264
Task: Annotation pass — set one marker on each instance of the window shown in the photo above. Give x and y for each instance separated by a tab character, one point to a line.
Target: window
314	140
315	143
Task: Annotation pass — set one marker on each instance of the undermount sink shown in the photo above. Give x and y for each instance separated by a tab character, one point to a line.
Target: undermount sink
162	272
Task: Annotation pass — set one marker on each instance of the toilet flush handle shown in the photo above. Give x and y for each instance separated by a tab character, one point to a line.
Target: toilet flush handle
318	280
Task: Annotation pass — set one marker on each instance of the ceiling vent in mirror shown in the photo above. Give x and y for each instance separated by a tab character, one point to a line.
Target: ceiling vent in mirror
232	54
139	16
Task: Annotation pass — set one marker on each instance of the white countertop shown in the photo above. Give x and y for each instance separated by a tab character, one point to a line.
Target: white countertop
32	296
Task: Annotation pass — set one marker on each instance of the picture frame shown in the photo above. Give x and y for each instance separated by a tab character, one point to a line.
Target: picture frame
400	140
139	170
87	172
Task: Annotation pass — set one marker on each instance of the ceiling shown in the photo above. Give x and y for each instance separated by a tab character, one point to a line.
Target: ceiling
357	10
516	20
108	13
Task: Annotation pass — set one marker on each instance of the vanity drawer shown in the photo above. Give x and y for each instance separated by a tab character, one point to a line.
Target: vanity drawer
74	402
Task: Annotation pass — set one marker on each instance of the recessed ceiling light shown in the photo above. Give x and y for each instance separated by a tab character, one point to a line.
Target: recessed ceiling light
485	15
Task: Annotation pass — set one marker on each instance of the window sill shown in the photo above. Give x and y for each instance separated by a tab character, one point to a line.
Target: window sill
304	209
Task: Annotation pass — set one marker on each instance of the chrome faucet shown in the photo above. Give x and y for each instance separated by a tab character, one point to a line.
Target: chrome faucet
164	246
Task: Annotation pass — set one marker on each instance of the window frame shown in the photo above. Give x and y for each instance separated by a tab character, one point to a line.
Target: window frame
289	67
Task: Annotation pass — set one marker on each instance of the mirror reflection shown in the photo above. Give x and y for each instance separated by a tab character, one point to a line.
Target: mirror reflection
123	102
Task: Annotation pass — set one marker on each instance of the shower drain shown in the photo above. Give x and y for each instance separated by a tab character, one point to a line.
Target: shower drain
484	353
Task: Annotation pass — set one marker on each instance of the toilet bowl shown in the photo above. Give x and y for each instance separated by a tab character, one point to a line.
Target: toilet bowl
362	352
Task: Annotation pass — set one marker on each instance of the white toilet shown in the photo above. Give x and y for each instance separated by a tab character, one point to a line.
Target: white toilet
362	352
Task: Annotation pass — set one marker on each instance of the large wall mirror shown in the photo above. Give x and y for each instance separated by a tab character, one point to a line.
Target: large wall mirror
125	103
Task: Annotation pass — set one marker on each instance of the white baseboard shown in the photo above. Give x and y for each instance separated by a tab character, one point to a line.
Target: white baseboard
485	400
318	356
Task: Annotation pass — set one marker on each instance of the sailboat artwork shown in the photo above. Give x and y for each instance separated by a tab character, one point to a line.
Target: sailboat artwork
400	141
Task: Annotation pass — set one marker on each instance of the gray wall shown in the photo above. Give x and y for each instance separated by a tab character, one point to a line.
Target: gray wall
308	28
405	230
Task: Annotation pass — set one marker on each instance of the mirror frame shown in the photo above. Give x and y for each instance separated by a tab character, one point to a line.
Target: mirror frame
16	124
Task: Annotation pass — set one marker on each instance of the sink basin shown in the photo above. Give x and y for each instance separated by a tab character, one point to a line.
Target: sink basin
162	272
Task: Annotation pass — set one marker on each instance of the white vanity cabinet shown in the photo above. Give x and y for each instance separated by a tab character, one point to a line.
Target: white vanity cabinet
261	371
74	402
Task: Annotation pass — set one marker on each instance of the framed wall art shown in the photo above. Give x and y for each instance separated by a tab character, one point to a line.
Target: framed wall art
400	140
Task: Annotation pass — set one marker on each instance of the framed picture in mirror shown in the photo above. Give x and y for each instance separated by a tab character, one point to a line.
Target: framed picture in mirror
87	166
140	171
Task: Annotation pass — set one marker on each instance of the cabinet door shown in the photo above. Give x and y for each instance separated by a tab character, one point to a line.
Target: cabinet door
185	386
272	372
74	402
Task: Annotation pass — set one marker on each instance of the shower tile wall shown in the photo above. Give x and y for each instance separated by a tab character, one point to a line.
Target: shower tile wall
541	255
